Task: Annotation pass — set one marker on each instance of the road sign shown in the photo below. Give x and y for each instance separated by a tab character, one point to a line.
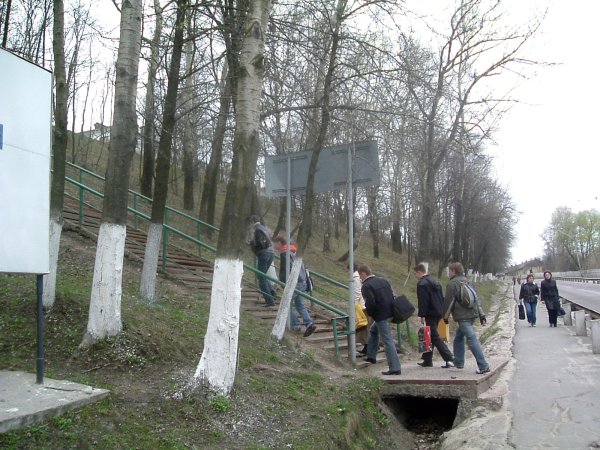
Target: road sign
332	169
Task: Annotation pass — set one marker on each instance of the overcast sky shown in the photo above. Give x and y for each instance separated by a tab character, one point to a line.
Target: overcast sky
547	146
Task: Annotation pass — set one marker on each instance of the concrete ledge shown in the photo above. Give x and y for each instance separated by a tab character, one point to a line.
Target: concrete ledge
23	402
443	383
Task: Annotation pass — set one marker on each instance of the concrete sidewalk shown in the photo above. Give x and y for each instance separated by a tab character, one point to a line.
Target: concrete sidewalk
23	402
555	390
548	395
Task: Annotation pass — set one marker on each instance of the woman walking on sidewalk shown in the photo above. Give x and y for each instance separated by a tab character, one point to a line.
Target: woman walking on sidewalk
529	294
549	295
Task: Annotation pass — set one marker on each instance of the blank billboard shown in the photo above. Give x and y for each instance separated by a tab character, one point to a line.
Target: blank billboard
25	136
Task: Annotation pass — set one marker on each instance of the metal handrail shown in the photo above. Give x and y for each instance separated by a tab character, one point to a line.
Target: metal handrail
171	229
594	313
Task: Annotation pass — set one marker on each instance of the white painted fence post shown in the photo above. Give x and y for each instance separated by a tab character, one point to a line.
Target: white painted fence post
595	327
567	319
580	329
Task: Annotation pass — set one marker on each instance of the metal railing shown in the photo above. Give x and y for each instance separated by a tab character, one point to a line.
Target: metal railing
594	313
170	229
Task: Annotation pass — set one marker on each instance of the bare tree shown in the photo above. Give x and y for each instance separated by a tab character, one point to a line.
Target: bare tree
211	179
105	304
189	141
59	150
475	49
218	362
318	127
163	162
148	137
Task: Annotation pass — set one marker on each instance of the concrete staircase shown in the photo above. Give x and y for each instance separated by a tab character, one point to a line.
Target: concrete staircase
197	272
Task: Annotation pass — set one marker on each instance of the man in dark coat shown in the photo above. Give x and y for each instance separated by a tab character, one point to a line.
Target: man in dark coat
378	295
431	302
262	246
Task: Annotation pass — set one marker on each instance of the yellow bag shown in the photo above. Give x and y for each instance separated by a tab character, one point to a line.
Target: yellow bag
361	317
444	331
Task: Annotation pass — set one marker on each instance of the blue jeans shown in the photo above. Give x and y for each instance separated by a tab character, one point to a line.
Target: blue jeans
299	305
263	261
530	309
465	330
381	330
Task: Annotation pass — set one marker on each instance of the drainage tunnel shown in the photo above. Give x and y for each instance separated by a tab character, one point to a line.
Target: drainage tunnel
424	414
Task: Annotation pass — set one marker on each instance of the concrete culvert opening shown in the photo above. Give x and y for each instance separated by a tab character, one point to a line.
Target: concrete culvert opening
425	416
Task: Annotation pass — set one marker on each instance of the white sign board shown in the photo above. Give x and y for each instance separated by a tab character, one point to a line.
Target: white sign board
25	139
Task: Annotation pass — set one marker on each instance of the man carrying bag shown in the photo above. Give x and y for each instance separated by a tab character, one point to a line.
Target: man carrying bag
431	302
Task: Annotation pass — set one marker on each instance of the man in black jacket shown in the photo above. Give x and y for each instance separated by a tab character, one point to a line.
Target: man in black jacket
378	295
262	246
431	302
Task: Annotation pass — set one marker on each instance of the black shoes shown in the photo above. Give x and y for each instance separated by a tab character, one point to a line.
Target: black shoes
448	365
310	330
391	372
371	360
363	351
425	364
481	372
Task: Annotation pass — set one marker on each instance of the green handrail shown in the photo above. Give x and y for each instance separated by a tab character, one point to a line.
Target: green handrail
168	230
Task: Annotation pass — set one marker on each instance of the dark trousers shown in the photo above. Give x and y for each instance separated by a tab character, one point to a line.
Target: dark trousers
552	315
437	342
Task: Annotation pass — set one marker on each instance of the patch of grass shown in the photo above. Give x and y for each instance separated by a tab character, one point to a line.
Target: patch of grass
220	404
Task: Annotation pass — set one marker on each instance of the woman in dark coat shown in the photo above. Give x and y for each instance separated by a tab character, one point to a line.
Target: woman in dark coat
549	295
529	295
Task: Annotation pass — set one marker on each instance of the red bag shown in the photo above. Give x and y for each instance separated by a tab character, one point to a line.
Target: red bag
425	339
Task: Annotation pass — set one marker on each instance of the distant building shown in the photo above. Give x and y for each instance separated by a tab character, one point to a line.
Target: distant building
100	132
532	266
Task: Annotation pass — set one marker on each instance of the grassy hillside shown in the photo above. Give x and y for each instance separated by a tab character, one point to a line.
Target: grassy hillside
284	397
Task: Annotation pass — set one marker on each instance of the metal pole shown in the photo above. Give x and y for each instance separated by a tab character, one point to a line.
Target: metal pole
40	331
351	300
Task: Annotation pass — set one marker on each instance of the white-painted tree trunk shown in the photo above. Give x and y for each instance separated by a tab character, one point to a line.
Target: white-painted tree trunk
105	304
218	362
148	281
286	300
49	294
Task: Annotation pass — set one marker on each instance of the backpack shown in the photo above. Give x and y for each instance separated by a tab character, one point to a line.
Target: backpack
402	309
307	278
309	281
261	240
468	295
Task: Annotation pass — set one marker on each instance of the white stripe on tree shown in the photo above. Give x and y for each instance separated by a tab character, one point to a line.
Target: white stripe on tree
105	303
148	281
218	362
49	294
286	299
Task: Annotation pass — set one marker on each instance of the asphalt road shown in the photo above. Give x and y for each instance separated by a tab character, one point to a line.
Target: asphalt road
584	294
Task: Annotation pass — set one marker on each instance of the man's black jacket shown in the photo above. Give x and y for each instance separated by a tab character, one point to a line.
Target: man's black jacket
378	295
431	297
